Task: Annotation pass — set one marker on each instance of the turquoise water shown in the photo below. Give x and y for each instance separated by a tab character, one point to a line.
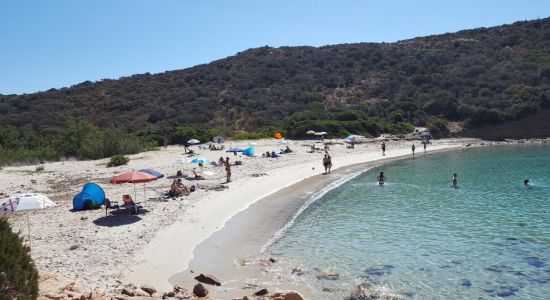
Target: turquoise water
419	238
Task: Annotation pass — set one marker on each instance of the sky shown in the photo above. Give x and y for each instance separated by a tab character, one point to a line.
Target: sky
53	43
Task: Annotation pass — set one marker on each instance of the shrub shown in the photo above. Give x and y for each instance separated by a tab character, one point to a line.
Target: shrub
39	169
118	160
18	275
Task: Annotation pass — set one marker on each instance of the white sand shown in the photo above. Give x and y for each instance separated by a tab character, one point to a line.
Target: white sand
151	247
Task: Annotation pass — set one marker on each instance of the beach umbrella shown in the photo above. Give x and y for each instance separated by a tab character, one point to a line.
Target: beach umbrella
157	174
152	172
193	142
199	160
235	150
218	139
351	137
133	177
26	203
278	136
311	132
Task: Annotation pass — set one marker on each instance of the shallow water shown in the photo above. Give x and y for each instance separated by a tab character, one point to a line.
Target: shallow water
419	238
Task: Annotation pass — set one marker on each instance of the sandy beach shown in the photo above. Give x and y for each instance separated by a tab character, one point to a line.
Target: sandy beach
102	252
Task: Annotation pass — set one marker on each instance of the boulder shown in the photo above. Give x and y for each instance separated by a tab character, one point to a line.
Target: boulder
128	292
208	279
168	295
287	296
261	292
141	293
199	290
292	296
54	296
148	289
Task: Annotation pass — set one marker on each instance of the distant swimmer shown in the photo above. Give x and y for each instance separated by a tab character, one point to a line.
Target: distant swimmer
526	182
455	180
383	148
381	178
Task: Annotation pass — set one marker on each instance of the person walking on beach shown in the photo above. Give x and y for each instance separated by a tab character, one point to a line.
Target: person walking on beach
383	148
381	178
327	163
424	142
228	169
455	180
413	148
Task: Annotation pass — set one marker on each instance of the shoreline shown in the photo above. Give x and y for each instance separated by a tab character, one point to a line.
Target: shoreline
155	265
237	252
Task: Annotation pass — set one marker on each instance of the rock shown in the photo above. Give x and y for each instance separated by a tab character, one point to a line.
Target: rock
148	289
73	247
261	292
168	295
199	290
128	292
141	293
297	272
83	218
466	283
272	260
504	293
365	291
208	279
54	296
328	275
120	297
292	296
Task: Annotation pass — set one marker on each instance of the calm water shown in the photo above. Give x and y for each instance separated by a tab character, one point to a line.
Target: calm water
418	238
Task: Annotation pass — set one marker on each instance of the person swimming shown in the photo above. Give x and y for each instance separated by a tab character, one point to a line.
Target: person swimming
381	178
526	182
455	180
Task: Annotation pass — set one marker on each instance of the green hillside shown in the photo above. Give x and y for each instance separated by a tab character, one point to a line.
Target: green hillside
478	78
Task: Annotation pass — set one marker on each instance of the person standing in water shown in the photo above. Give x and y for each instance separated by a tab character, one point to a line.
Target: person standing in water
455	180
381	178
383	148
413	148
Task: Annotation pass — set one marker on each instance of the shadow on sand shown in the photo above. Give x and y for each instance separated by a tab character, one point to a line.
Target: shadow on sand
117	220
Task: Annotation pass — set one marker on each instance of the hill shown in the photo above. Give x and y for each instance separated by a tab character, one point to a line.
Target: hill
478	78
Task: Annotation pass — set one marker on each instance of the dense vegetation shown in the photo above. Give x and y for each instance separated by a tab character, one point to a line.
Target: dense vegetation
18	275
481	77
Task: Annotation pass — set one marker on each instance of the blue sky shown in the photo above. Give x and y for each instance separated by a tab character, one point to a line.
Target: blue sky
54	43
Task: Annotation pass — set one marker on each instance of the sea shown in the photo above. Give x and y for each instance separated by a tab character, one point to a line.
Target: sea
418	237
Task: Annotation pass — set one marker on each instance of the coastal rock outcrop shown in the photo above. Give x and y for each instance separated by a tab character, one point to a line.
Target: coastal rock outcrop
261	292
287	296
148	289
208	279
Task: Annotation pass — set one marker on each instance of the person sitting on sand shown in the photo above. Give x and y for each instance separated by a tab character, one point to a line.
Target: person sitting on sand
198	174
273	154
221	161
455	180
381	178
287	150
526	182
177	189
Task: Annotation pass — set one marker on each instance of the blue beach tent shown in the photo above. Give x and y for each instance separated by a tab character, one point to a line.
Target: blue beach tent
92	196
248	151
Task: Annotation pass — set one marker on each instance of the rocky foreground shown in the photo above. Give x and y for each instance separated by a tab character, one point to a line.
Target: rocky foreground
55	287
